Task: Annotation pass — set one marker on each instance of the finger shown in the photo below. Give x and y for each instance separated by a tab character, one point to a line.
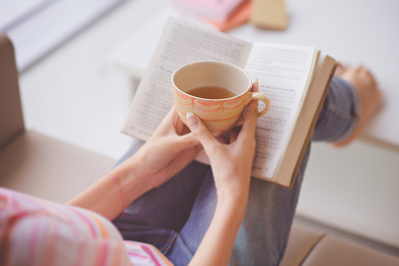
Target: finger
234	134
178	125
341	68
255	86
200	131
170	119
172	112
250	117
174	122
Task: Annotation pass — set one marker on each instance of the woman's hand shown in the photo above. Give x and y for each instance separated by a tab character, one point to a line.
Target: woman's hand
231	163
231	166
170	148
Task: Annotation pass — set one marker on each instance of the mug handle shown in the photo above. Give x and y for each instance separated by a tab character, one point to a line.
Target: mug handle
257	96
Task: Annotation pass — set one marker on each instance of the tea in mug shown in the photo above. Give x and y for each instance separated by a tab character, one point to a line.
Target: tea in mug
212	92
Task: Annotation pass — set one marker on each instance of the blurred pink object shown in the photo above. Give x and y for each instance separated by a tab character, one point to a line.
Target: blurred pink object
239	16
216	10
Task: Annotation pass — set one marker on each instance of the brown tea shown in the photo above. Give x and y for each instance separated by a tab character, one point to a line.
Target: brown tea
212	92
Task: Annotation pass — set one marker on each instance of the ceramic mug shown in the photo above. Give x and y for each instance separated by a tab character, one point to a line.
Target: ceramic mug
218	115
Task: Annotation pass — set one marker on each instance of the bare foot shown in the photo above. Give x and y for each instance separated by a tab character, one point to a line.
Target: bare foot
369	97
340	69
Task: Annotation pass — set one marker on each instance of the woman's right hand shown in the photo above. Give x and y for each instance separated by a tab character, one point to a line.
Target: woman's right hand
231	162
231	165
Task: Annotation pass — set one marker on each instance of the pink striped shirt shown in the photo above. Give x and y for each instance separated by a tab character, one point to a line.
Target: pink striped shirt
38	232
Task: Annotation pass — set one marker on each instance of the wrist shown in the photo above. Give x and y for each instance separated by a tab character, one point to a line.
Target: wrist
232	208
131	177
236	200
233	189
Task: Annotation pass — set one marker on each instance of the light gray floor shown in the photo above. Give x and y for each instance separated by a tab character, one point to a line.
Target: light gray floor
355	188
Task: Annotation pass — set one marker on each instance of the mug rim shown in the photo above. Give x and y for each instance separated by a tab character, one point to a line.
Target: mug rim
213	61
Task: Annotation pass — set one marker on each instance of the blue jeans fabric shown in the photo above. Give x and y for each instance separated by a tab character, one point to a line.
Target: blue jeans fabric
175	216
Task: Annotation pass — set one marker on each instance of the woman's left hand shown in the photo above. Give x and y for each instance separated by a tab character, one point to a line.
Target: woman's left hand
170	148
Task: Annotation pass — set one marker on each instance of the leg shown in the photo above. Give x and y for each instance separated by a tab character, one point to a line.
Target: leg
158	215
370	99
271	208
339	114
190	237
264	233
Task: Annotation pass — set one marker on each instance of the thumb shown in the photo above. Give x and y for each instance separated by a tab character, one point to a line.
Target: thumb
200	131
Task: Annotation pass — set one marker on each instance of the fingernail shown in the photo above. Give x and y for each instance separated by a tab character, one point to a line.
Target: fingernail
192	120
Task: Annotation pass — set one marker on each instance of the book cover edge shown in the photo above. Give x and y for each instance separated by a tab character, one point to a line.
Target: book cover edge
311	128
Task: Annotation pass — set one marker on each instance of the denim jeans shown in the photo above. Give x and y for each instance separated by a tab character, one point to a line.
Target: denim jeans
175	216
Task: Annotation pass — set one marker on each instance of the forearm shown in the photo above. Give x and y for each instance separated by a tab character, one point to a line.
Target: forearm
218	242
104	197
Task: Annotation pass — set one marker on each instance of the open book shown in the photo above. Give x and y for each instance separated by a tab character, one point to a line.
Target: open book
295	78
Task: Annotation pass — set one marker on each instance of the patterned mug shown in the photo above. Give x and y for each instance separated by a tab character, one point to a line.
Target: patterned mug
218	115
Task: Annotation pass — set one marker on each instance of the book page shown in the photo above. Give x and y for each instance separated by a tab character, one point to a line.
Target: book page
283	72
181	43
304	124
